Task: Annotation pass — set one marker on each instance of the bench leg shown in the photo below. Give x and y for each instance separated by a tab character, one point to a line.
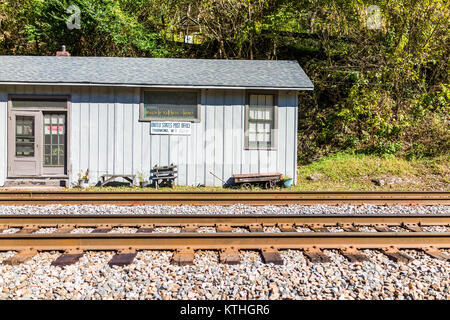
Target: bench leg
108	180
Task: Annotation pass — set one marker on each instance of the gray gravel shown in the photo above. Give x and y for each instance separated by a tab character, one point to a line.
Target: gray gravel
222	210
151	276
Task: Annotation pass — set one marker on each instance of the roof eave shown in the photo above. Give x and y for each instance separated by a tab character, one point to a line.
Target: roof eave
156	85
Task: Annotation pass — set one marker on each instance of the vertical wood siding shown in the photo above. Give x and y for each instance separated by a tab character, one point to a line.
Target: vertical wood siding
3	134
107	138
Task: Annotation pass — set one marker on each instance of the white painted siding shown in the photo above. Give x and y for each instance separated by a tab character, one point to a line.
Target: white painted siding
3	134
106	136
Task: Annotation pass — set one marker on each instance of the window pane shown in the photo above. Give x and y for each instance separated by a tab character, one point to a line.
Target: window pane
33	103
261	113
24	136
168	105
260	127
261	120
261	137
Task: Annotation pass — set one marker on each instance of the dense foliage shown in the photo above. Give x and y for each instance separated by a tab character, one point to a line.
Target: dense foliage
381	74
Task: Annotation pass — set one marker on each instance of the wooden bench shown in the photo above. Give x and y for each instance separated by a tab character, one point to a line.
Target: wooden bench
111	177
164	175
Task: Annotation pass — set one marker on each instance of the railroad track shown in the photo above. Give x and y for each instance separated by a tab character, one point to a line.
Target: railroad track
224	198
315	236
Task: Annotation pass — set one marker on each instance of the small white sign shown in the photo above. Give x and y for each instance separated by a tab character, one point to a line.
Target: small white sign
166	127
188	39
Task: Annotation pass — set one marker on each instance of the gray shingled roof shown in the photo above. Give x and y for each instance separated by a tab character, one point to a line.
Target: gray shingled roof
206	73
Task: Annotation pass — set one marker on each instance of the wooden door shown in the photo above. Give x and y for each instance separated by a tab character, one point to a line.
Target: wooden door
54	144
24	144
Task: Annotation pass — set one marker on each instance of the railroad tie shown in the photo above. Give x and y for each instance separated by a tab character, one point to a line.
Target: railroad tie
20	257
183	257
102	229
381	227
315	255
318	228
286	227
412	227
271	255
256	227
65	228
229	256
146	228
396	255
353	254
28	228
348	227
223	228
68	257
436	253
124	257
189	228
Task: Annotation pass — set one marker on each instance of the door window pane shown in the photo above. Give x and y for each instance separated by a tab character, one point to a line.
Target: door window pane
24	136
54	139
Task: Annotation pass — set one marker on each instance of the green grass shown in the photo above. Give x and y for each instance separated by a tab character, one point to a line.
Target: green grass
346	166
351	172
343	171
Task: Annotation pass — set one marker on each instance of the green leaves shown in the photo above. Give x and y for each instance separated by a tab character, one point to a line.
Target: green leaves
107	28
381	90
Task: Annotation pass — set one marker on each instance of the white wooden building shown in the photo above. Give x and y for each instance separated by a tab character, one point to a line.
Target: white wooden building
61	116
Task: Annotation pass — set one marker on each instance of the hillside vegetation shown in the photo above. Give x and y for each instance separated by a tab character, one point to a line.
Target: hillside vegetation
381	74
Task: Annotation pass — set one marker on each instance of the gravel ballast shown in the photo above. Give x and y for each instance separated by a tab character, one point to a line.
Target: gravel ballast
152	276
222	210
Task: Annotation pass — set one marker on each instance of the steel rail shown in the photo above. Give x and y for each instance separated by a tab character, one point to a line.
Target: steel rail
224	198
218	241
212	220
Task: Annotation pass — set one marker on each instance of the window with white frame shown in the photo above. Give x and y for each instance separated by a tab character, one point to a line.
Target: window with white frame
261	121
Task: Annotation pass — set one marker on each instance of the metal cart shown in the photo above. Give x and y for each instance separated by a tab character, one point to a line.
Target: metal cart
265	180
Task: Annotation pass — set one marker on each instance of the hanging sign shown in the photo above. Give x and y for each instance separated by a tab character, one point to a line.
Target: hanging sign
175	128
